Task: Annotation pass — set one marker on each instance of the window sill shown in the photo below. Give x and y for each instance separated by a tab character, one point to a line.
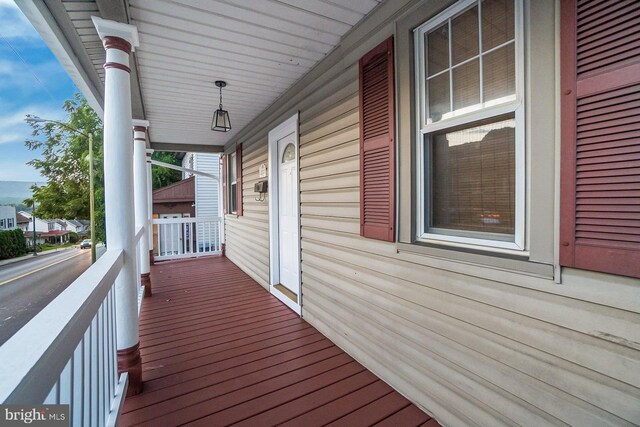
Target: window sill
461	259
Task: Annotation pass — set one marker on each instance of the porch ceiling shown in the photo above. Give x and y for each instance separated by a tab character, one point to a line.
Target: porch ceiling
259	47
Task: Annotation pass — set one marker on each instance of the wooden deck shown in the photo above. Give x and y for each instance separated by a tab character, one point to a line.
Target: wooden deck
218	349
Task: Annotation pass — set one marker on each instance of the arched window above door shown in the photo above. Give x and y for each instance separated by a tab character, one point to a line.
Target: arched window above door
289	153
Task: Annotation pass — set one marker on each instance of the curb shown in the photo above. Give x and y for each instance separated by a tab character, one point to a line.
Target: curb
30	256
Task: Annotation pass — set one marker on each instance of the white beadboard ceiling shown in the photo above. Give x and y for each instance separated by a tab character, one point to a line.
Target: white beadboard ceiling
259	47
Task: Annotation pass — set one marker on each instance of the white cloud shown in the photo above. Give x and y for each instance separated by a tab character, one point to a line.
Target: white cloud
29	79
13	128
14	171
13	23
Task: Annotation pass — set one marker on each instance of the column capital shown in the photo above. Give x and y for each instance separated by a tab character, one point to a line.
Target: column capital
140	125
117	35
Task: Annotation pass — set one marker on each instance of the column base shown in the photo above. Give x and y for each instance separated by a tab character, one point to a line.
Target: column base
152	260
129	361
145	280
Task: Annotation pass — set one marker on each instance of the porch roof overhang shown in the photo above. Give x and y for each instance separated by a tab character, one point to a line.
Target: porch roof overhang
261	48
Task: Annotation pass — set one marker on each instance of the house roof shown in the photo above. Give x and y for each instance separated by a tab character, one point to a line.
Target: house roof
260	48
46	233
74	222
21	219
181	191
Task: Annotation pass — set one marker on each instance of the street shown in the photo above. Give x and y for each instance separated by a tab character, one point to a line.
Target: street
29	285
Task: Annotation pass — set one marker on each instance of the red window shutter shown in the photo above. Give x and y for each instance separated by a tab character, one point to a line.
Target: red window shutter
600	151
239	179
377	148
223	174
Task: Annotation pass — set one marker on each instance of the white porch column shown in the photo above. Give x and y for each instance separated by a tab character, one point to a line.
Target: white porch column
141	199
150	211
118	40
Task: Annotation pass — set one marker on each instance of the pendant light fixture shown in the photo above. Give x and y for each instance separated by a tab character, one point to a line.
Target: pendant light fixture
221	122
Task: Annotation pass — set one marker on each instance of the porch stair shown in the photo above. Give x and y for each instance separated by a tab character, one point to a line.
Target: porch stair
218	349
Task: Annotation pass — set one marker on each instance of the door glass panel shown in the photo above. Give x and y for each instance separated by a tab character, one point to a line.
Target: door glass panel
289	153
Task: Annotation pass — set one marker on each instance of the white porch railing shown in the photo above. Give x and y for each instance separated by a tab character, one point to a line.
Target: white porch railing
188	237
67	353
138	236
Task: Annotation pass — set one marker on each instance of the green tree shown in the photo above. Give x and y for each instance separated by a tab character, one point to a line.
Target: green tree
64	164
161	177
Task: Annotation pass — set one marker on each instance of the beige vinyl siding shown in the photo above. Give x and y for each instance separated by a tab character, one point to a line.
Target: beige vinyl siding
472	344
247	236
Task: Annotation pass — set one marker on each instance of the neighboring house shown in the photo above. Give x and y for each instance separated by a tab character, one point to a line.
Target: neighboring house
75	226
207	190
54	231
178	198
57	225
208	193
8	218
28	236
23	222
453	186
42	225
194	196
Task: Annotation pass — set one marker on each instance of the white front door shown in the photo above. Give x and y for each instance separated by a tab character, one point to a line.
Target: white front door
284	214
288	213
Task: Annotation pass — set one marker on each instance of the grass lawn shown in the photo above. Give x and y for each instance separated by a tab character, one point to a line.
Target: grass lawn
49	246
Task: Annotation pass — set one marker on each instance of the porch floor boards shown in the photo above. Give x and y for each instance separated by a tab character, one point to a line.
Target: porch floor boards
218	349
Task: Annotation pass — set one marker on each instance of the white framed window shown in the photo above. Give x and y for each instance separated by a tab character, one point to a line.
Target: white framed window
470	144
233	183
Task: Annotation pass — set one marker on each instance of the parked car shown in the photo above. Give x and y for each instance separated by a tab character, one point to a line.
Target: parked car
86	244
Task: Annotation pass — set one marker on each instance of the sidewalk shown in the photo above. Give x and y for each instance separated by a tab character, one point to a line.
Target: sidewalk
30	255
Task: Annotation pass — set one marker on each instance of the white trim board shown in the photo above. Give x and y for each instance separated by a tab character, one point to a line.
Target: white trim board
285	128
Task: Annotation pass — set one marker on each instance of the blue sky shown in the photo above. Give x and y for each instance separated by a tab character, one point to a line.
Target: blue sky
31	82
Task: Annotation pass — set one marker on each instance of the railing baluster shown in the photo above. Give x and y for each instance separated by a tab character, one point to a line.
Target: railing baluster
94	371
86	378
76	381
52	396
110	333
184	238
101	368
64	385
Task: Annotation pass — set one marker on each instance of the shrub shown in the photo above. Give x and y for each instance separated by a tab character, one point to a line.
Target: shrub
12	244
73	237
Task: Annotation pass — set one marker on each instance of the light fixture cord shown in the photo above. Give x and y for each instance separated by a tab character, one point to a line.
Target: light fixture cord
220	98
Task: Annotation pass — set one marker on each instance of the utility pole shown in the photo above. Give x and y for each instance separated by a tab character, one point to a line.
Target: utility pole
33	218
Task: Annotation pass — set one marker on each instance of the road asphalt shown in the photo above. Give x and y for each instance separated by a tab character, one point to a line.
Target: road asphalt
29	285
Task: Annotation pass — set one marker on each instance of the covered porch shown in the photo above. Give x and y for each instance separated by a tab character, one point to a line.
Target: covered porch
218	349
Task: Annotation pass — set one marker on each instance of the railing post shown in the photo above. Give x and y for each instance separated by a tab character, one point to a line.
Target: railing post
141	199
119	39
150	201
